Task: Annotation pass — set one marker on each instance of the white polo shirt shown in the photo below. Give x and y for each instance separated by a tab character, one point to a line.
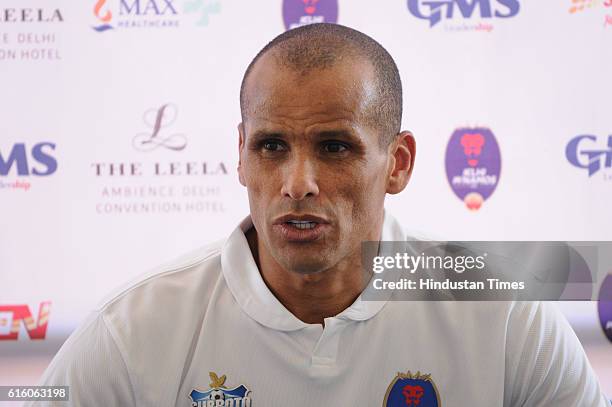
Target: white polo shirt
206	331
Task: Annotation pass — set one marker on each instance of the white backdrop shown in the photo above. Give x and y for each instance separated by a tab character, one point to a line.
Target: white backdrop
84	99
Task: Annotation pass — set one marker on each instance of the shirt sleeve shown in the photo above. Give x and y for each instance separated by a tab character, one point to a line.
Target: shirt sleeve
545	362
91	364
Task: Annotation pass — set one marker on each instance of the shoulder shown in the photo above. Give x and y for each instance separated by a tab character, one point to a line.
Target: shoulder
545	362
175	281
148	325
164	308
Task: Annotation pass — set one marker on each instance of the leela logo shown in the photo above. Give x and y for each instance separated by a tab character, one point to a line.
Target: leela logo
13	316
415	390
604	306
585	152
219	395
435	10
30	15
158	119
302	12
134	14
157	135
473	165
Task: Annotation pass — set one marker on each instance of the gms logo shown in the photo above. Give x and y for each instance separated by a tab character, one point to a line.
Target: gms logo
582	5
302	12
473	165
436	10
12	316
111	14
585	152
220	396
412	390
18	157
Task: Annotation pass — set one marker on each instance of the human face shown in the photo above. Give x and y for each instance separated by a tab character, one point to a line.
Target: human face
307	155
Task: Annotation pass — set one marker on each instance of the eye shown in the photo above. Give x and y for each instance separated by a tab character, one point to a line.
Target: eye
273	145
335	147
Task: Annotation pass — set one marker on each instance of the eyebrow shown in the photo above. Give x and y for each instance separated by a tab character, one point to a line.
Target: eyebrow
340	134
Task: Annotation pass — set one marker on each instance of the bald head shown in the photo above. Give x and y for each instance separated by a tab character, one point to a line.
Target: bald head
323	46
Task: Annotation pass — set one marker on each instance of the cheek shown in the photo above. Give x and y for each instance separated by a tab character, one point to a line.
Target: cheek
361	193
257	175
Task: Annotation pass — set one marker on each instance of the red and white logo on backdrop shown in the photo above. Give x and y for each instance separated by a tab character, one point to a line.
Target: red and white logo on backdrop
13	316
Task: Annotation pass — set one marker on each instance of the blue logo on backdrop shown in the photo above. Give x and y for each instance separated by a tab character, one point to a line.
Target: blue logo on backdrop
436	10
18	157
25	161
584	151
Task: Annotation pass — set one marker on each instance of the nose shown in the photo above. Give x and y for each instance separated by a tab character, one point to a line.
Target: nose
300	180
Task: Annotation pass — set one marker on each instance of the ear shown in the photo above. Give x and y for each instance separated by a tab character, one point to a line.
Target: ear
240	150
403	151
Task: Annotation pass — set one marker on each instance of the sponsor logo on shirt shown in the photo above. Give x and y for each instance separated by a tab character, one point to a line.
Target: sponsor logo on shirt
218	395
415	390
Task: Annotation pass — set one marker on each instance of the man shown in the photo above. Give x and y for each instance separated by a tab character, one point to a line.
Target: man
273	315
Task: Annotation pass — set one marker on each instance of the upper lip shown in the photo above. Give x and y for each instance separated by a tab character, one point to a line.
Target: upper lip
303	217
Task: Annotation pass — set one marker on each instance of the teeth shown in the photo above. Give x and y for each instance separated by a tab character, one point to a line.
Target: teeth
302	224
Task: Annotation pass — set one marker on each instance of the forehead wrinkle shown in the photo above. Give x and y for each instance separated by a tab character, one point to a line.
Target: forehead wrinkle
274	92
329	125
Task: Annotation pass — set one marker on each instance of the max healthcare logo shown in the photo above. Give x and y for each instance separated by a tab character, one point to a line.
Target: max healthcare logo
12	317
303	12
473	165
125	14
435	11
134	14
590	153
25	162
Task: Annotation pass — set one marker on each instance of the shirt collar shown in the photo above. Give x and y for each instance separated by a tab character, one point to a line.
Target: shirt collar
255	298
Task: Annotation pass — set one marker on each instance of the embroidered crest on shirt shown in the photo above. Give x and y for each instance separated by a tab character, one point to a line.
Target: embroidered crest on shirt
414	390
218	395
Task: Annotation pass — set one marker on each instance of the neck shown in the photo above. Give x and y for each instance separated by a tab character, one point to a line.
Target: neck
312	297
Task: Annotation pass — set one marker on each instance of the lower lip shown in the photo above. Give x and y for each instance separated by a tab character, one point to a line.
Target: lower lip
293	234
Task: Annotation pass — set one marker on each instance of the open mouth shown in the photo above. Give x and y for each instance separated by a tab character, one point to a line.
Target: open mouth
302	224
301	227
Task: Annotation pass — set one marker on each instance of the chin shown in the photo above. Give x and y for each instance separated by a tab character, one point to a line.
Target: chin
305	266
